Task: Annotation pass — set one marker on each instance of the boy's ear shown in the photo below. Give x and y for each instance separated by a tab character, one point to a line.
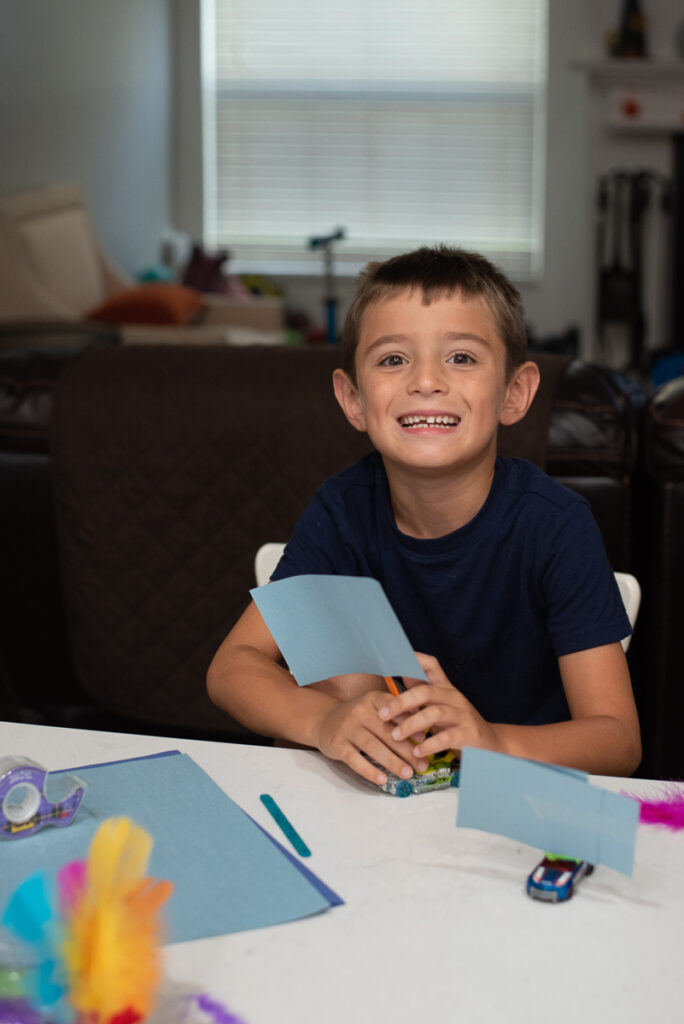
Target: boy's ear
350	400
520	391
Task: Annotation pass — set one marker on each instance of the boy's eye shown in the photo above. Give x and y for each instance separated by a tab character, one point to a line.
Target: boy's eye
392	360
461	358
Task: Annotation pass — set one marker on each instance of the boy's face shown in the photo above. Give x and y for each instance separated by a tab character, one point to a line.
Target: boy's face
431	382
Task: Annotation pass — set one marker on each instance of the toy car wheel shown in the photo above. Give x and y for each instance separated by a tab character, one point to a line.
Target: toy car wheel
404	788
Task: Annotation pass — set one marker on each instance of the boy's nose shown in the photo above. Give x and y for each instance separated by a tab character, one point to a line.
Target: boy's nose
427	377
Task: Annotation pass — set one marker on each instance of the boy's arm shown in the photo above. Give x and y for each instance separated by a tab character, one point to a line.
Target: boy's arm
246	680
602	736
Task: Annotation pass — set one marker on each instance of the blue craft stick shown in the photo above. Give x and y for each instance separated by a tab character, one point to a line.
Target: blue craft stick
287	828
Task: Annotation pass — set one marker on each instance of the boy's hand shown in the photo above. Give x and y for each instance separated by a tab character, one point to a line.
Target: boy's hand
354	728
439	708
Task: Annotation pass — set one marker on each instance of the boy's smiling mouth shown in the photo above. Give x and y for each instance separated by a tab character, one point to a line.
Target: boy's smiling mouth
437	420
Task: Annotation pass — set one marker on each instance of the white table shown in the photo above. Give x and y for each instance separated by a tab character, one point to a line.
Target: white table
436	924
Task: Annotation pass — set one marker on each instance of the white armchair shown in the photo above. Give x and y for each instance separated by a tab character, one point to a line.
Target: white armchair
53	268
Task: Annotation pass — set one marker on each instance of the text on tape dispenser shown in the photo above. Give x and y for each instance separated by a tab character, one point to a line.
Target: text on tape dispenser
26	806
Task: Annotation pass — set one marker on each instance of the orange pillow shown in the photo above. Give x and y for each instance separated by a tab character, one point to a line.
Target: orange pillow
150	304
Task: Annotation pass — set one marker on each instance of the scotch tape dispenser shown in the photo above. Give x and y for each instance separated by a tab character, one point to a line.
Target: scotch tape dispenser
30	798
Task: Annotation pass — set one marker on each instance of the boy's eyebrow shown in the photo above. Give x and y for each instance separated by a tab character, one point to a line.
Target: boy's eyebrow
392	339
468	336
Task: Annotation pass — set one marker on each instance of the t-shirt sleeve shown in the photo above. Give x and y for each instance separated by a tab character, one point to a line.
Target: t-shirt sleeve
316	545
584	607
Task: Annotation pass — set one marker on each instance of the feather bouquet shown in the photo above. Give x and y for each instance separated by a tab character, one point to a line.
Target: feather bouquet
94	933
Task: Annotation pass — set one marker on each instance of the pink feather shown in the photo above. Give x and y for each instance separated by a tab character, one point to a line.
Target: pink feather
71	880
666	809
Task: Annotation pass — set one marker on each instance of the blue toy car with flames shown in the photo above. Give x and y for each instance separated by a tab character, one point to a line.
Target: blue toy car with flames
554	878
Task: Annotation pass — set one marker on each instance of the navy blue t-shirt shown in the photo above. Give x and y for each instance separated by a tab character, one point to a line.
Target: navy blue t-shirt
496	601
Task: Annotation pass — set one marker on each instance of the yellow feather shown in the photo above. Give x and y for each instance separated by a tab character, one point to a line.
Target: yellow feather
112	949
119	855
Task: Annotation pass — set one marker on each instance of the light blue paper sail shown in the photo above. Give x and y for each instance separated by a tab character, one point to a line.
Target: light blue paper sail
332	625
553	808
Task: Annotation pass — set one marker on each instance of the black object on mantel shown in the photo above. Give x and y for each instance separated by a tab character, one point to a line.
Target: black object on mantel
630	39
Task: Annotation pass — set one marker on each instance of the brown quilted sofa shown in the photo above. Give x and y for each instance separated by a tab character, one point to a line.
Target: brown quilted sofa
169	466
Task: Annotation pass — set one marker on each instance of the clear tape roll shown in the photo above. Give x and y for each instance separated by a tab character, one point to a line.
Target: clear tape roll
26	806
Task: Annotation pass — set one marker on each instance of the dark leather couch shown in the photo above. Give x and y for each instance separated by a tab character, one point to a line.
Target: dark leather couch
660	547
168	466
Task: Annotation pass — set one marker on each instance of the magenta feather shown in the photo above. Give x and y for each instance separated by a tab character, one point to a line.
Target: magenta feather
666	808
71	882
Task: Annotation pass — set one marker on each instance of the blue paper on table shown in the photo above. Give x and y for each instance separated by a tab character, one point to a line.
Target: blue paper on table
228	873
330	625
553	808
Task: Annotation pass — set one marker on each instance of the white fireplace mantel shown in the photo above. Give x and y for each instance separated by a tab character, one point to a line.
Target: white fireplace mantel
635	72
642	95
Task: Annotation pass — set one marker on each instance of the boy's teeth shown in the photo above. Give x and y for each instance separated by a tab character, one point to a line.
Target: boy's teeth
431	421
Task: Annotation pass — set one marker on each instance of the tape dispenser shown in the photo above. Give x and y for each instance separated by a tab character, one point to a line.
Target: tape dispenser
28	801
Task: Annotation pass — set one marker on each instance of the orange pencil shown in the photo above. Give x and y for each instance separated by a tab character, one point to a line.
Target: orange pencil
395	685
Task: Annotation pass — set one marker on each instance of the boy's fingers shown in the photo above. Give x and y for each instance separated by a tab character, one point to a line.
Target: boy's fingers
362	731
387	761
402	749
419	696
362	766
387	758
420	723
450	739
433	670
408	700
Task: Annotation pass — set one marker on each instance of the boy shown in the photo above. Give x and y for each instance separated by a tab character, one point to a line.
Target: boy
497	573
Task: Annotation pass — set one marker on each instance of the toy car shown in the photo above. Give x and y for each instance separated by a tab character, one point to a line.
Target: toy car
554	878
442	773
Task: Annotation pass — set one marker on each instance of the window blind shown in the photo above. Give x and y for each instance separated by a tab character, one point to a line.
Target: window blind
406	123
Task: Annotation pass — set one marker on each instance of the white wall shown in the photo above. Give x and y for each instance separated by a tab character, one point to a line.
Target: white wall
85	97
560	298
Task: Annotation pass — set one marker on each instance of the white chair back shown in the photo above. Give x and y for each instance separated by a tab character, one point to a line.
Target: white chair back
630	592
265	561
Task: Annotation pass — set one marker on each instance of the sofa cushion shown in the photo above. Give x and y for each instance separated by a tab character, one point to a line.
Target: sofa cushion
664	432
159	303
32	356
594	423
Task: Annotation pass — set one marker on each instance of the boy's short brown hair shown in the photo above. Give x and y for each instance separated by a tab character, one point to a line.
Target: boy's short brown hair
439	272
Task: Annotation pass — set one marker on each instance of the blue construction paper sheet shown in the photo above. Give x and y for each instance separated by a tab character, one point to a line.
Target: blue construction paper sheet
228	873
552	808
331	625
